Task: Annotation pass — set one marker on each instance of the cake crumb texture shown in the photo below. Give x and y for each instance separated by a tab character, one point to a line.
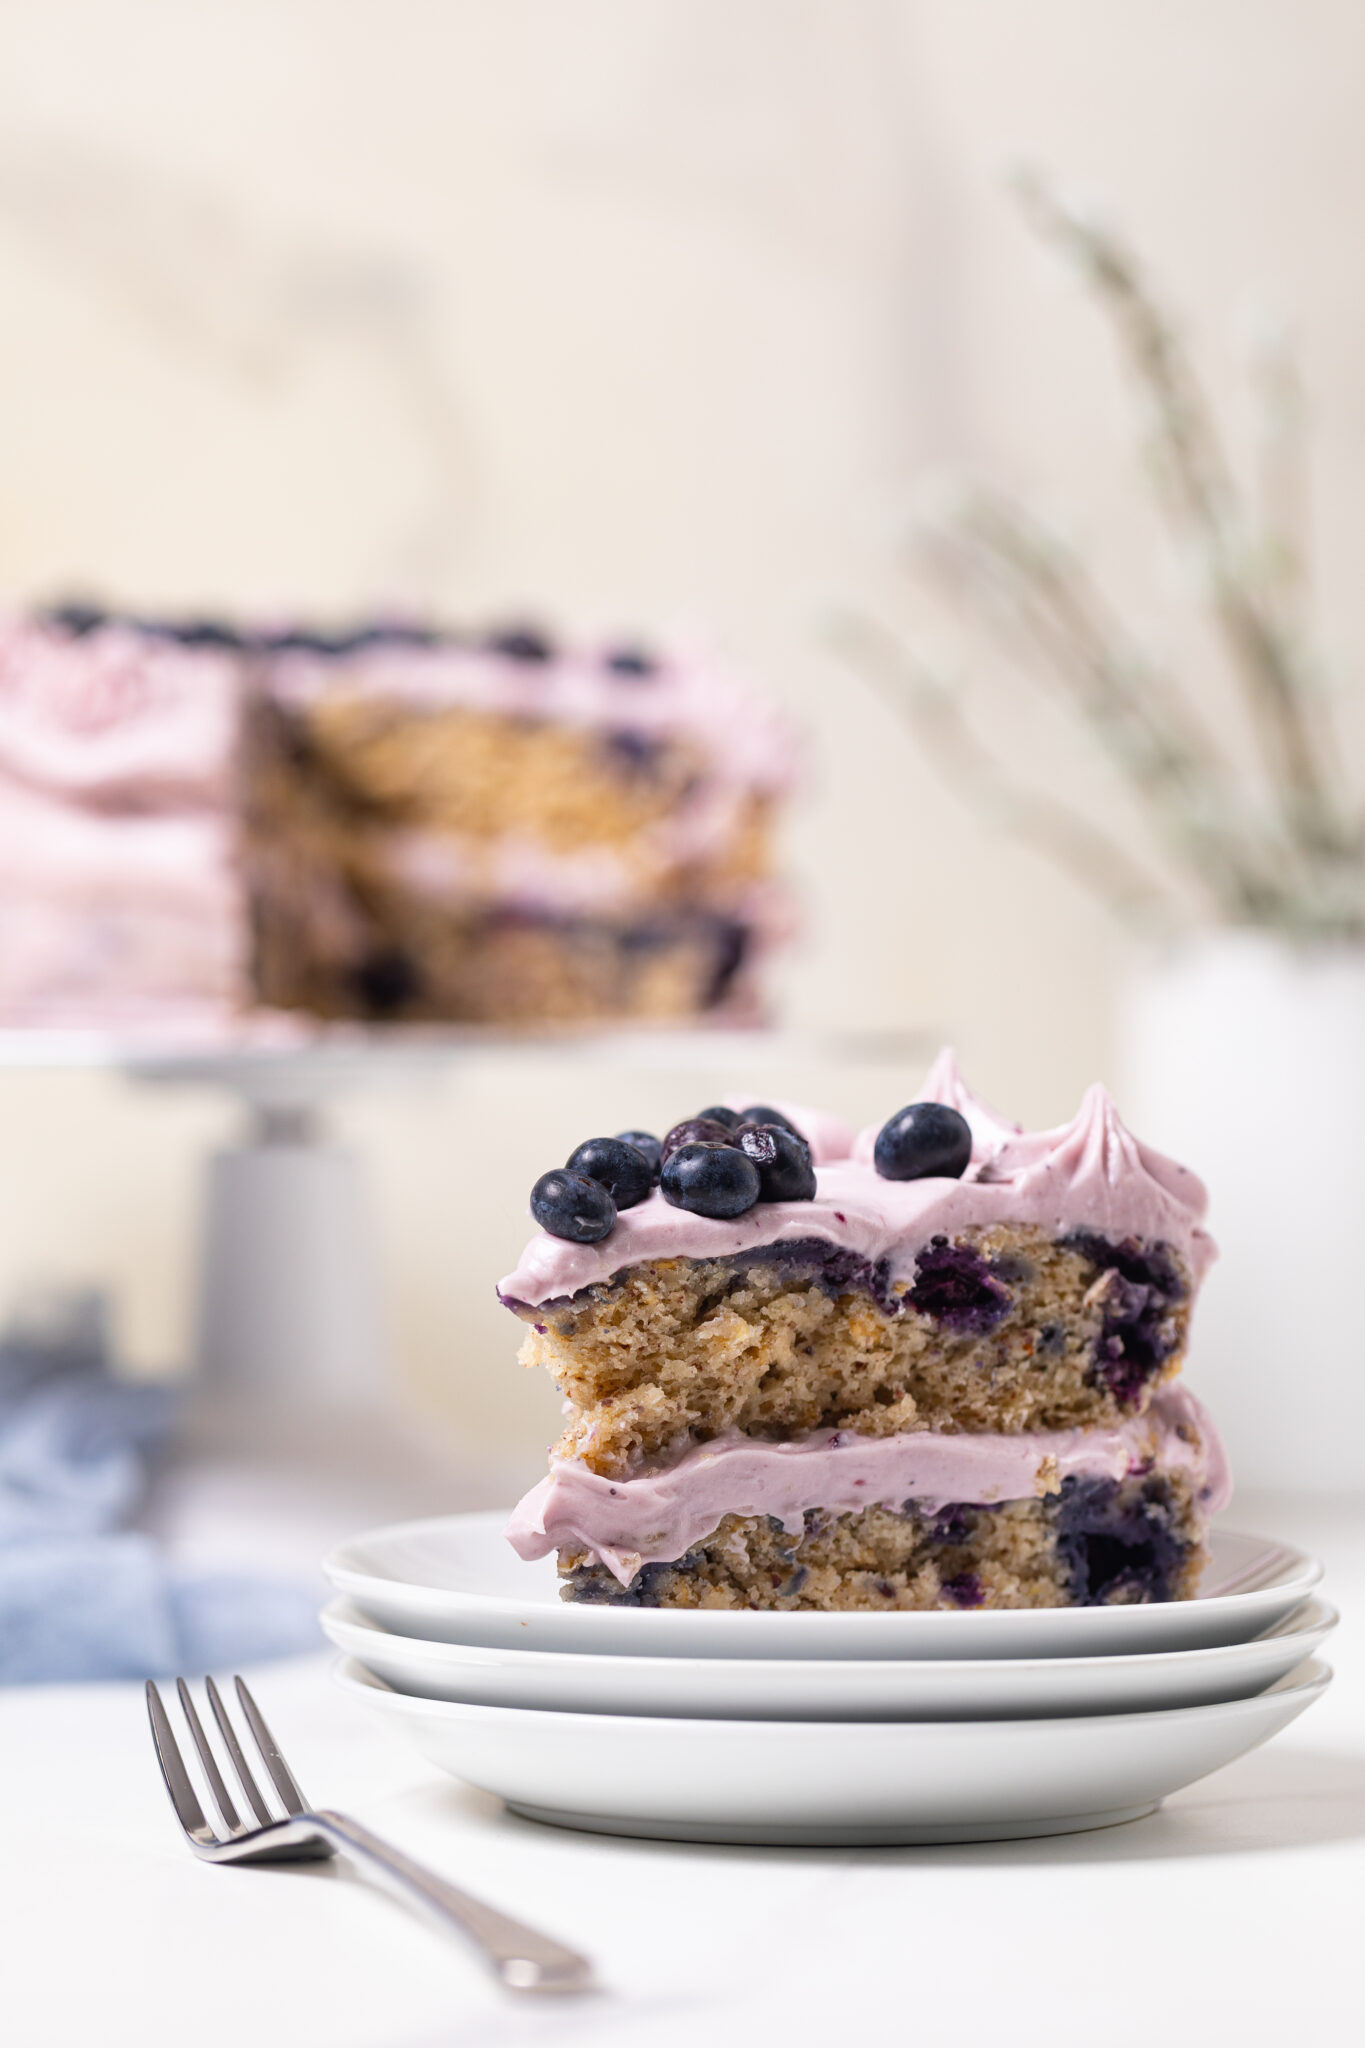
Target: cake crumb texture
1005	1328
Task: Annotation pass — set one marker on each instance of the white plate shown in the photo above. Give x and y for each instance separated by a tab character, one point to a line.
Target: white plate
457	1580
805	1689
826	1782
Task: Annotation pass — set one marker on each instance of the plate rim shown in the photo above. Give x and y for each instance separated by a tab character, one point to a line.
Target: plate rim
503	1656
1317	1676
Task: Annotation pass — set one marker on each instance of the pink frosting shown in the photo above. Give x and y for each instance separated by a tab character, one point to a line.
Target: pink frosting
119	896
1090	1174
660	1513
116	720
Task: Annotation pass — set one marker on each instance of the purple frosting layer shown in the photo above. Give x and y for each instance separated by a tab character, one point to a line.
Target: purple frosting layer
1090	1175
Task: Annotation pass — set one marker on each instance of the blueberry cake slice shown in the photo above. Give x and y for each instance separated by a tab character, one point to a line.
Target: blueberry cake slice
934	1366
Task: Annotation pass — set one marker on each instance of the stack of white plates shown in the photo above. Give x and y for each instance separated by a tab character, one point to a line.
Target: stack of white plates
817	1728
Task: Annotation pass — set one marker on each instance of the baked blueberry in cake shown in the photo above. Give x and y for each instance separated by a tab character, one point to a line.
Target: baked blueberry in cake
385	822
933	1366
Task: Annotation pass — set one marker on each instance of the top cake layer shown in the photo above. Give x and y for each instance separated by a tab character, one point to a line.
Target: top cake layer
1090	1174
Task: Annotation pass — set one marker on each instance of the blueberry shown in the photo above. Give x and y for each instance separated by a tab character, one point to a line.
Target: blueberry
203	633
573	1206
520	643
387	982
698	1130
719	1114
764	1113
633	752
925	1141
785	1173
625	1173
630	661
646	1142
78	619
710	1180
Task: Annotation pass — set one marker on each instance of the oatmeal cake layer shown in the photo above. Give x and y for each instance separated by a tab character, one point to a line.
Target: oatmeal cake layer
1095	1542
1005	1327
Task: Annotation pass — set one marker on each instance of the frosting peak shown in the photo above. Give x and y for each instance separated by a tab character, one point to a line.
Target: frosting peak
944	1083
1095	1153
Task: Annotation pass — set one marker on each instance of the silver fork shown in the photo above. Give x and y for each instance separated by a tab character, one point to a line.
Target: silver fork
523	1959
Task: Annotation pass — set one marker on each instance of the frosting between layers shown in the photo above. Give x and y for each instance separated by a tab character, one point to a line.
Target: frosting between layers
657	1516
1090	1174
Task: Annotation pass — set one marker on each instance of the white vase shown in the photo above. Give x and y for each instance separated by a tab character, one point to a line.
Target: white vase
1245	1059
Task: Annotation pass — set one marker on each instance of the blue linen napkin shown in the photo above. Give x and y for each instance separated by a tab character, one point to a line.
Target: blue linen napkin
81	1597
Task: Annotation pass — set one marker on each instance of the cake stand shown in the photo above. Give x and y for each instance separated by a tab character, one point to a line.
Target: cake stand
288	1305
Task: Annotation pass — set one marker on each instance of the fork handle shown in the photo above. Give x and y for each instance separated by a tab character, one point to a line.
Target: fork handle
524	1959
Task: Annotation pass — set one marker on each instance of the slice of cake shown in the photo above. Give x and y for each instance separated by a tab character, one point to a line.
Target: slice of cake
389	824
932	1367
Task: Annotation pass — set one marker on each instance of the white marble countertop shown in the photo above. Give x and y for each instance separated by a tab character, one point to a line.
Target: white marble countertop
1233	1915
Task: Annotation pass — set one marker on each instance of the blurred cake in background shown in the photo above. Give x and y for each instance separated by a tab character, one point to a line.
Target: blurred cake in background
390	824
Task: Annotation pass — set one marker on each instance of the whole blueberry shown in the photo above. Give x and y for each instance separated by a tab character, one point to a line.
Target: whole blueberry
573	1206
630	661
387	982
719	1114
520	643
648	1144
77	619
697	1130
710	1180
764	1113
204	633
925	1141
785	1172
624	1173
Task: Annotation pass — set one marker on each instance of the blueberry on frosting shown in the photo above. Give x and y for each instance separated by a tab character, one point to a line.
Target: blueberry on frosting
520	643
710	1180
623	1171
648	1144
785	1172
764	1113
696	1130
719	1114
630	661
925	1141
573	1206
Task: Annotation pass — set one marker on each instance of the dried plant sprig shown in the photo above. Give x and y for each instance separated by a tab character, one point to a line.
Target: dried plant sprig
1198	490
1032	816
1286	854
1021	581
1281	482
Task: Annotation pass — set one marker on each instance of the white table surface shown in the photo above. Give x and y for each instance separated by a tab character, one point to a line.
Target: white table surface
1235	1915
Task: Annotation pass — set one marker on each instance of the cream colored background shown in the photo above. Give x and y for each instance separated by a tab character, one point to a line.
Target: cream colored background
630	310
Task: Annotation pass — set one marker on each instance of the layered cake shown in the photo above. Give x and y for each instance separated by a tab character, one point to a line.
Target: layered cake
388	824
934	1366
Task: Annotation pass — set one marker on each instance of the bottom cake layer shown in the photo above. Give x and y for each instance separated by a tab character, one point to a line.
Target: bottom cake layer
1095	1542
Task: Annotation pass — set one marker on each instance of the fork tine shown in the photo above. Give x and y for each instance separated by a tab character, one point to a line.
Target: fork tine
280	1774
239	1762
188	1811
217	1788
